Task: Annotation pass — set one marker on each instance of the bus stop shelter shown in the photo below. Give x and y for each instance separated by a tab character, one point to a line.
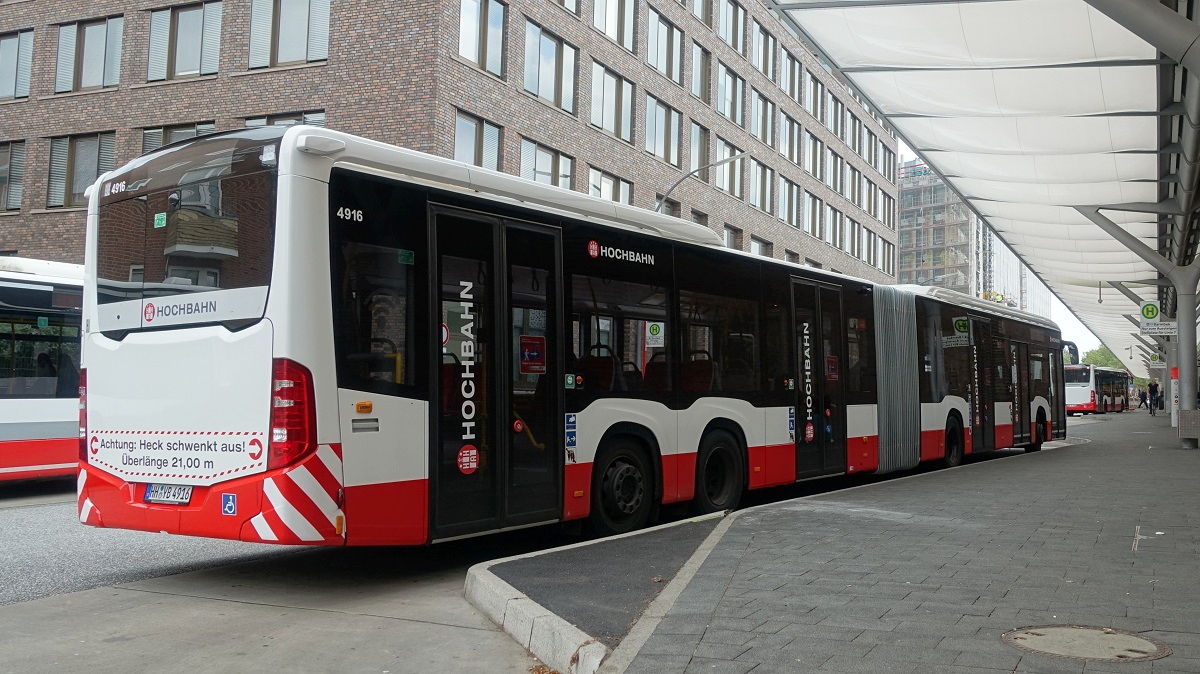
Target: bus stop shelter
1071	127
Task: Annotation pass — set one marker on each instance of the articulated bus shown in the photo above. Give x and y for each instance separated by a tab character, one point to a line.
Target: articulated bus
300	336
1092	389
40	304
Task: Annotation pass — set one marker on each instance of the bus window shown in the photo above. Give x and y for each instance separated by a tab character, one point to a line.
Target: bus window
861	377
720	352
620	341
777	351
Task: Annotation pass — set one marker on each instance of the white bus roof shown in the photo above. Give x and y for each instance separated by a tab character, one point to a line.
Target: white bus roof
29	269
955	297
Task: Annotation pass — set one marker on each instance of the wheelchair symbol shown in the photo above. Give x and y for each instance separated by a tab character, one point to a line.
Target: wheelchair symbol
228	504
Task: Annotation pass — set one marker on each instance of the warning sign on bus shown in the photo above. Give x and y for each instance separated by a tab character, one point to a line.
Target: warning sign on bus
532	354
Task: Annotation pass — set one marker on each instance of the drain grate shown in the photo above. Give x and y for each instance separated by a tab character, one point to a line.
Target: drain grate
1079	642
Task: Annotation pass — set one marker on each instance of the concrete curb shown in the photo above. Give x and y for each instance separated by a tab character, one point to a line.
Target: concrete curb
551	639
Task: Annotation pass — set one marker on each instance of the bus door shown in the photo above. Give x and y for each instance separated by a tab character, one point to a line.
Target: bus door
983	423
496	458
820	417
1021	398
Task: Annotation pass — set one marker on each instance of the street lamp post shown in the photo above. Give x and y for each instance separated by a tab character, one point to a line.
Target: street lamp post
663	199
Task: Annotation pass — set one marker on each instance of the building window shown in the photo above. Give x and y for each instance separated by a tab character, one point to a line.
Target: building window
854	178
760	247
476	141
733	24
762	118
288	31
665	53
731	91
790	75
700	218
790	201
813	149
701	73
152	139
669	206
733	237
853	238
75	163
608	186
612	102
700	156
549	67
761	179
887	258
812	215
312	118
791	256
16	59
889	211
184	42
615	19
834	165
481	34
703	9
571	6
729	174
835	116
541	164
662	130
834	235
12	175
854	134
790	140
764	51
89	55
809	262
814	97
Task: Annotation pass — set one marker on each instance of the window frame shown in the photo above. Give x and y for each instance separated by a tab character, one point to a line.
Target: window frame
673	120
479	143
621	101
564	92
13	153
673	51
485	34
22	63
69	155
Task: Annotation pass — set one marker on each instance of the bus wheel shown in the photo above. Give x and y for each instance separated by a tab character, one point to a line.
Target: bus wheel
719	475
954	444
622	493
1039	435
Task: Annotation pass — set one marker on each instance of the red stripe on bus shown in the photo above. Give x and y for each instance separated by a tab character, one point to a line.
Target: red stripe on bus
771	465
391	513
1004	436
862	454
933	444
29	453
678	477
577	487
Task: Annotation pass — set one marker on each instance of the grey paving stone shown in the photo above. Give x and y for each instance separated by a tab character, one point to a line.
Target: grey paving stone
671	644
736	638
714	651
1006	660
894	653
850	664
1036	664
706	666
658	664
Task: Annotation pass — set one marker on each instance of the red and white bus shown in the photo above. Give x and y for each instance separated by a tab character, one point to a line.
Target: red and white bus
300	336
40	303
1092	389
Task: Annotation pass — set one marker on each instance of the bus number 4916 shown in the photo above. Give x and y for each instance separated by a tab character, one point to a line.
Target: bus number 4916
350	214
177	462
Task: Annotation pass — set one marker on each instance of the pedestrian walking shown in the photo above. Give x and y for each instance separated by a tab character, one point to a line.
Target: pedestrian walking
1142	399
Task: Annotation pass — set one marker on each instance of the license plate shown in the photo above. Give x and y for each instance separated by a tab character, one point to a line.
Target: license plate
178	494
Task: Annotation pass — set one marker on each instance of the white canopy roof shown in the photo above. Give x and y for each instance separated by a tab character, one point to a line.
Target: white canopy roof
1027	108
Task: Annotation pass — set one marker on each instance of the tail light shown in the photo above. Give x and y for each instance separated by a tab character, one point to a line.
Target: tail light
83	439
1093	399
293	414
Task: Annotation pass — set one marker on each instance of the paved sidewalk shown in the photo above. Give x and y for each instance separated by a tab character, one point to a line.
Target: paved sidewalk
925	574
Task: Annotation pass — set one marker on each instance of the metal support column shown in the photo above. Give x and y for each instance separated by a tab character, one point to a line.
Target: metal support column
1185	280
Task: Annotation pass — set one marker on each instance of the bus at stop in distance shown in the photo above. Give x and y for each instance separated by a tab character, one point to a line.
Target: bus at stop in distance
299	336
1092	389
40	305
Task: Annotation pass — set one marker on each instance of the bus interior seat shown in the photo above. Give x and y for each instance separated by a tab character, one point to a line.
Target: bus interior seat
600	370
655	376
699	374
631	376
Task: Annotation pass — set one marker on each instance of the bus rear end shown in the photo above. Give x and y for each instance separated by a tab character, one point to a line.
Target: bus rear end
194	418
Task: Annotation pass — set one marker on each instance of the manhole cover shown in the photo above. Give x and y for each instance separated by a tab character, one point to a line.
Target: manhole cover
1087	643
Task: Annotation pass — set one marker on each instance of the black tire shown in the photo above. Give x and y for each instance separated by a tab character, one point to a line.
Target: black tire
720	476
622	488
954	444
1039	434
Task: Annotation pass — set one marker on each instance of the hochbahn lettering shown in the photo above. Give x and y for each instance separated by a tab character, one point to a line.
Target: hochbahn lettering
153	311
468	455
599	250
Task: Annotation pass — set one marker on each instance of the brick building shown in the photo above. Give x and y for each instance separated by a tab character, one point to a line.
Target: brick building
621	98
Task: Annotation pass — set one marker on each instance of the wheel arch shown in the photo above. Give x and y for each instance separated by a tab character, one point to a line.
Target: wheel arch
734	429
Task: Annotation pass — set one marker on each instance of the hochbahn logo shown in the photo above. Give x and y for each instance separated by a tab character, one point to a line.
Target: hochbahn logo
596	250
151	312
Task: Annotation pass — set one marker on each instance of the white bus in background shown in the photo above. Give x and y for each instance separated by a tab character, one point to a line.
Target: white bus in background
40	303
300	336
1092	389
